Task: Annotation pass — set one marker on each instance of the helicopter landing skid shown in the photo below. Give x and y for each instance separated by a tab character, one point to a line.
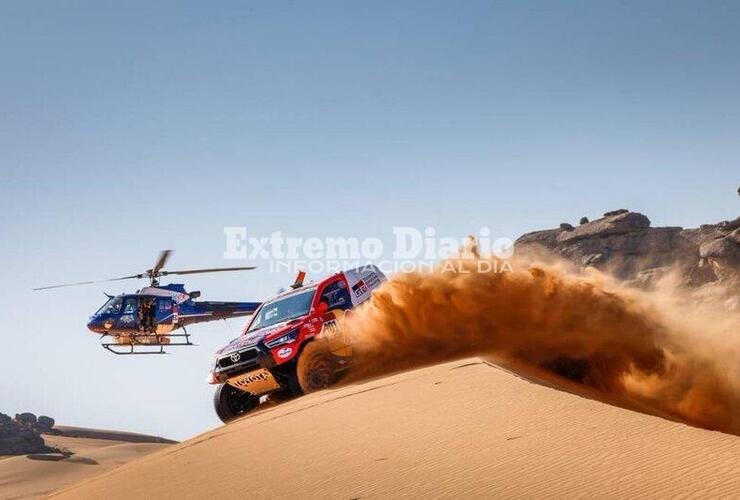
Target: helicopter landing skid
141	344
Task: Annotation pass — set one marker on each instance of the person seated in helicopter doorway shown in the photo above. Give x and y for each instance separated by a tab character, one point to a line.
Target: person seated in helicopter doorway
150	314
140	316
146	315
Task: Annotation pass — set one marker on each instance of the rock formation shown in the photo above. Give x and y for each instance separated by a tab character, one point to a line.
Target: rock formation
22	435
623	244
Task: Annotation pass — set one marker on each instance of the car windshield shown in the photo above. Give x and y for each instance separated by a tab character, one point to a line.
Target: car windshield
283	309
112	306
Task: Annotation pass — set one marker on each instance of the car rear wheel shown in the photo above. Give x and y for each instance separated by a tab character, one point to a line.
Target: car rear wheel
230	402
317	367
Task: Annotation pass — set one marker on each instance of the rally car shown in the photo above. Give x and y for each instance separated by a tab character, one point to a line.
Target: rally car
292	344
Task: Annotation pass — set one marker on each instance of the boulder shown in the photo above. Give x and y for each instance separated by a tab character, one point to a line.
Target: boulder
726	248
26	418
616	212
45	423
620	223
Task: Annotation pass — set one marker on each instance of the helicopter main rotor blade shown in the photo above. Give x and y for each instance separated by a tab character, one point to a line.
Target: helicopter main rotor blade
135	276
153	273
164	255
212	270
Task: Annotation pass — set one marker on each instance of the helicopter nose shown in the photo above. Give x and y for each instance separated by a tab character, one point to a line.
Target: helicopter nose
94	326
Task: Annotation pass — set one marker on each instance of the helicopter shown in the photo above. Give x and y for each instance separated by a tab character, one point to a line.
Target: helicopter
146	322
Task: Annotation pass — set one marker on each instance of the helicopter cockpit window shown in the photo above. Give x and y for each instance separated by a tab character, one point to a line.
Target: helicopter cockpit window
130	306
112	306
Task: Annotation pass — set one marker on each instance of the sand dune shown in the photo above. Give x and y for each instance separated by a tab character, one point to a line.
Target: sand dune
462	429
39	475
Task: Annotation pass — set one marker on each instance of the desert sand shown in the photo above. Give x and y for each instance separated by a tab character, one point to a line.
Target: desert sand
461	429
95	451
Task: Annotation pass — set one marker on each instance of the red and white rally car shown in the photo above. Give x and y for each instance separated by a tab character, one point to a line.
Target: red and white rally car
291	344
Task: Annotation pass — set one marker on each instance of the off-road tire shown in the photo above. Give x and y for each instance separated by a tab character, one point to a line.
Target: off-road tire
316	368
230	402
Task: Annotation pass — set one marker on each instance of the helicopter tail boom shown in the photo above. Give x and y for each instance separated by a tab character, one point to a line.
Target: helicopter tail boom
202	311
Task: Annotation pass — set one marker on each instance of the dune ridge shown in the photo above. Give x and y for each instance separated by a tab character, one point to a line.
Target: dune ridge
460	429
662	348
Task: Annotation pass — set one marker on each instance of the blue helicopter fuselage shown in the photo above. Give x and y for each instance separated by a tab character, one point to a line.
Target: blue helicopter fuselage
160	310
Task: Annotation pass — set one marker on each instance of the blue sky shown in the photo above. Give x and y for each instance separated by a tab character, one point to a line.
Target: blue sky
130	127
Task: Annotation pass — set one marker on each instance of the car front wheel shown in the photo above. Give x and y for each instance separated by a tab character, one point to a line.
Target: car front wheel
230	402
317	367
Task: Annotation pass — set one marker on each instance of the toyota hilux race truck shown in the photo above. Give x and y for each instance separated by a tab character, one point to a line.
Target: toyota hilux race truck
292	344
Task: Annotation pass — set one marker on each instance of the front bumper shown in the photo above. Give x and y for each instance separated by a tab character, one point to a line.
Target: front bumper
242	360
258	382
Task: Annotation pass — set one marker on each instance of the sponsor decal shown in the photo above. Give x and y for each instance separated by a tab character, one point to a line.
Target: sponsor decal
257	382
284	352
259	376
368	282
330	329
372	280
359	288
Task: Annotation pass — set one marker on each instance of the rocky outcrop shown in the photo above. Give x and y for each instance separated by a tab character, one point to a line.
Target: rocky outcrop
622	223
719	247
22	435
623	244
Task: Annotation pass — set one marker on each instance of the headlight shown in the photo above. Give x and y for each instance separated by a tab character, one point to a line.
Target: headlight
283	339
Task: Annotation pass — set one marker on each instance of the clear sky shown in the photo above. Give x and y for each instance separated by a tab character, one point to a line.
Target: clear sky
128	127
